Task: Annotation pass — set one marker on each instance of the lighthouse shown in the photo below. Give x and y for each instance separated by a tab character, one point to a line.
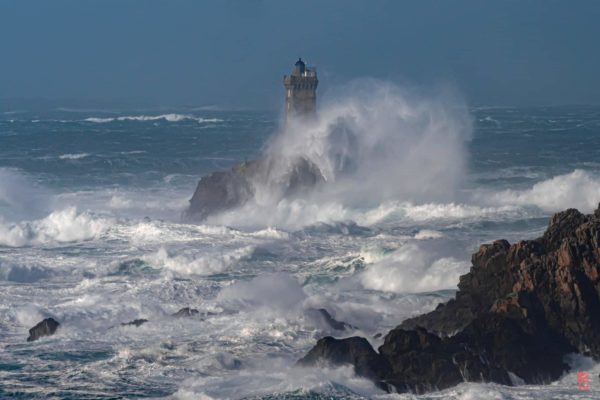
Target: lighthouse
301	91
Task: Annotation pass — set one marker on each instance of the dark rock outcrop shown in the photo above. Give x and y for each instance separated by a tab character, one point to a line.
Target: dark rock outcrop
186	312
225	190
135	322
354	350
322	315
517	313
46	327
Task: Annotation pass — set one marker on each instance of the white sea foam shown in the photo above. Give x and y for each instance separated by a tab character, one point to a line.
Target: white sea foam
20	196
395	143
99	120
428	234
278	292
411	269
167	117
287	214
276	376
76	156
374	143
455	211
270	233
423	212
133	152
578	189
120	202
127	202
298	213
257	328
192	263
28	315
60	226
23	272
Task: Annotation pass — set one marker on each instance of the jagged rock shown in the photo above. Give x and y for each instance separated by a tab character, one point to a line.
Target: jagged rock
354	350
421	361
224	190
517	313
136	322
322	315
46	327
186	312
302	176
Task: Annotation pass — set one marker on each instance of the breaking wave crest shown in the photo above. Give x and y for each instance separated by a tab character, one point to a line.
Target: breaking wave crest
62	226
194	264
410	269
165	117
76	156
298	213
372	143
377	142
21	197
578	189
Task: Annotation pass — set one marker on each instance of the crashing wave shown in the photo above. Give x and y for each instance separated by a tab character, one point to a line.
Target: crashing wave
195	264
167	117
578	189
76	156
62	226
378	143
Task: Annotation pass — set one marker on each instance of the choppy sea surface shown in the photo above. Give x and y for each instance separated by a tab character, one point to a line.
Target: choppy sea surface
92	233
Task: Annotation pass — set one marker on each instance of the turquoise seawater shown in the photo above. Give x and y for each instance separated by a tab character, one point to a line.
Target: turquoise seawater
92	233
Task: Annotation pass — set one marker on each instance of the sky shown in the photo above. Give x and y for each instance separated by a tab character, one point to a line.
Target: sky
234	53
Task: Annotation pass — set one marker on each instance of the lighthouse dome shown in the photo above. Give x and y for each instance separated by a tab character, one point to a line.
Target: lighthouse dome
300	67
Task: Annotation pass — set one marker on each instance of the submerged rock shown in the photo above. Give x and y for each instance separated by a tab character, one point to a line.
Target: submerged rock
323	316
136	322
225	190
46	327
186	312
517	313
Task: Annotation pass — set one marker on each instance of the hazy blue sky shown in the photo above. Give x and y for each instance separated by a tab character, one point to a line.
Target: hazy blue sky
234	53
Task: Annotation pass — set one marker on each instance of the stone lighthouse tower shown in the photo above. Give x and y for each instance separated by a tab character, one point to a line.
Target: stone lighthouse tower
301	91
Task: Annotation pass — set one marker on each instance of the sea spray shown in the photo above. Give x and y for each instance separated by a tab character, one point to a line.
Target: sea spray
61	226
577	189
372	142
248	340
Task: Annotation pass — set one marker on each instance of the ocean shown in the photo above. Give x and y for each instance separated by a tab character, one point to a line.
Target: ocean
93	233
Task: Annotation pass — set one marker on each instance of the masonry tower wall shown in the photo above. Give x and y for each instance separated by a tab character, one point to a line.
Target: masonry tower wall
301	91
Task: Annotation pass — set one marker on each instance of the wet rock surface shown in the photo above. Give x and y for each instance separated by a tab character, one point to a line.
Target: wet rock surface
46	327
517	313
354	350
225	190
323	316
186	312
135	322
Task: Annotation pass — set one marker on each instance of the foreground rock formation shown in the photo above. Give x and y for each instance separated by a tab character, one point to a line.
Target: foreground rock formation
224	190
517	313
46	327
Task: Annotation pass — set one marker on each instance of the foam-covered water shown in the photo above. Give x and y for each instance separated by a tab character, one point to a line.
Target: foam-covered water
91	234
